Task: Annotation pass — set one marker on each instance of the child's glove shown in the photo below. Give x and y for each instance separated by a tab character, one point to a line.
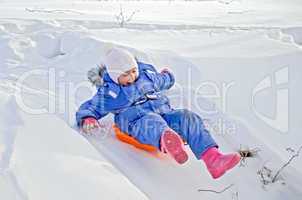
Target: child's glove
165	70
90	125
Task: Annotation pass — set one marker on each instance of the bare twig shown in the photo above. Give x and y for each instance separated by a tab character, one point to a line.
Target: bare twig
290	150
268	177
247	153
265	174
286	164
122	18
235	195
217	192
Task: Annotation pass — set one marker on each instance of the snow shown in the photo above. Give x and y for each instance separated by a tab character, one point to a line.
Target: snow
237	64
39	162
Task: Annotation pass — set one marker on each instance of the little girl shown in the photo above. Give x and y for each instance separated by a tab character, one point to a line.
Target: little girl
132	91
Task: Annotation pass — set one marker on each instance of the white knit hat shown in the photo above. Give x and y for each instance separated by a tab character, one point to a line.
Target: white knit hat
118	61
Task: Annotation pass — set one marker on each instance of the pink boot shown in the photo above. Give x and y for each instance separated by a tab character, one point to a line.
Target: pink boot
218	163
172	144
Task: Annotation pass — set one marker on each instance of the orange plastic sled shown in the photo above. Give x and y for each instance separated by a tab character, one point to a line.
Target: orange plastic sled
123	137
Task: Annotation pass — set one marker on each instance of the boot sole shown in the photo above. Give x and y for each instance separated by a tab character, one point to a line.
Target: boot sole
174	146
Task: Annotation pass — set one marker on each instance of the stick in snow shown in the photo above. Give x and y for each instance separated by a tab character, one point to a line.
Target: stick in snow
217	192
286	164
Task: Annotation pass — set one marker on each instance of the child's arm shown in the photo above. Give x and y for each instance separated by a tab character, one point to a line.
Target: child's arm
94	107
162	81
167	79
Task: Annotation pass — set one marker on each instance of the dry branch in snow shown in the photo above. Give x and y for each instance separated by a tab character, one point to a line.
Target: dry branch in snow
122	19
235	195
247	153
217	192
266	174
286	164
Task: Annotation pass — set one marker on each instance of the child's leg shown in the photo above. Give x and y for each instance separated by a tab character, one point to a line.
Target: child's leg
152	129
191	128
148	129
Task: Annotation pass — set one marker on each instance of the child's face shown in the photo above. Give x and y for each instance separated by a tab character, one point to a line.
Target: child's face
128	77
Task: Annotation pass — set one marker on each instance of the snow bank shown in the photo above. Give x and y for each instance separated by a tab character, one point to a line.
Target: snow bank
41	157
43	152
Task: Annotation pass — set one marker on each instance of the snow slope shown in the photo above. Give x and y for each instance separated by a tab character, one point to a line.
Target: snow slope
43	65
43	158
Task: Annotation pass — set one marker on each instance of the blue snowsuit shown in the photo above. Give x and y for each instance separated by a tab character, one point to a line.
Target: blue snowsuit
144	112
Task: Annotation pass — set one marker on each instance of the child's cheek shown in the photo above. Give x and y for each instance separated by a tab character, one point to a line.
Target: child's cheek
123	80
